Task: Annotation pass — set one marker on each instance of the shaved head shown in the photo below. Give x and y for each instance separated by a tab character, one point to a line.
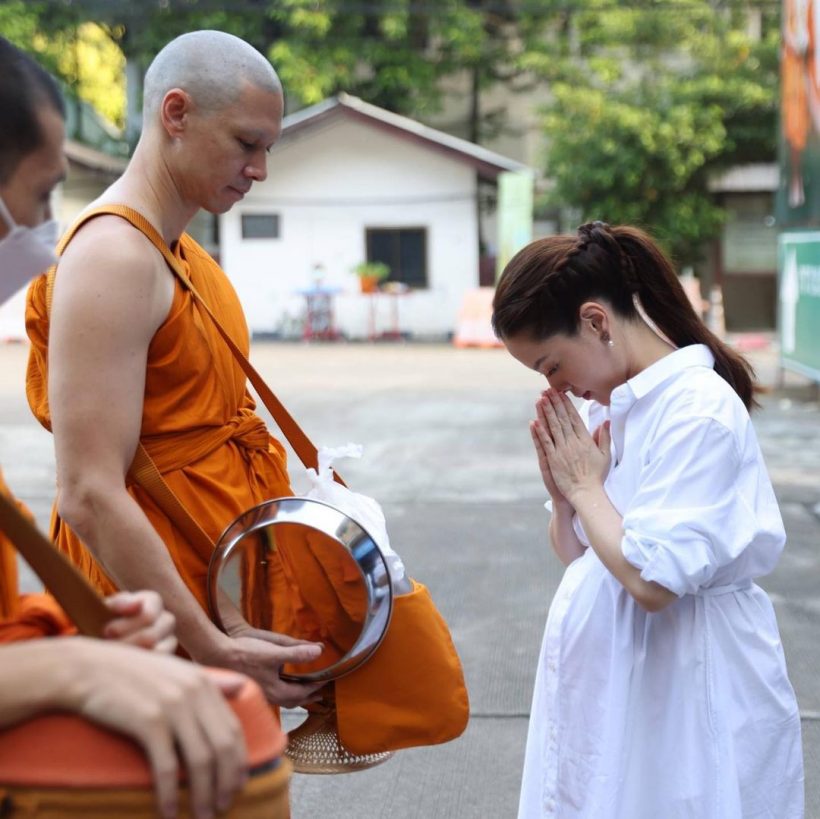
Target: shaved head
211	66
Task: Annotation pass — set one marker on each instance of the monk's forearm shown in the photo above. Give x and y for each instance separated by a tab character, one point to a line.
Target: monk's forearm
38	676
604	528
121	538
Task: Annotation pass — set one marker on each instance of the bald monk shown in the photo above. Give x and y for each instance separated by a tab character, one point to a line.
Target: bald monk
123	354
160	701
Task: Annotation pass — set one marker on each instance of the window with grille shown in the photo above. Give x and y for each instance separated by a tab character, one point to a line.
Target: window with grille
260	225
403	250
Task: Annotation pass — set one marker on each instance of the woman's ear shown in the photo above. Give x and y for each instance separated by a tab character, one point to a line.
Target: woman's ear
595	318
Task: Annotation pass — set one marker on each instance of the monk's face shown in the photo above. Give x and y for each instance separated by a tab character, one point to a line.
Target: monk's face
222	153
27	191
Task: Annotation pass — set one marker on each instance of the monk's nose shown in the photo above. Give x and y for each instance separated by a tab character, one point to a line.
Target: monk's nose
258	169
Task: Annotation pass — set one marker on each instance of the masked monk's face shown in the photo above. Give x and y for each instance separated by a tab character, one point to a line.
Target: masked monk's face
223	152
27	190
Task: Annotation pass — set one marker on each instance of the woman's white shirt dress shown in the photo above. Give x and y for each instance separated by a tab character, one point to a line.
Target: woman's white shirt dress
686	713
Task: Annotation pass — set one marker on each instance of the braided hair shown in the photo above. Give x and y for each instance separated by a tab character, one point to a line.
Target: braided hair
544	285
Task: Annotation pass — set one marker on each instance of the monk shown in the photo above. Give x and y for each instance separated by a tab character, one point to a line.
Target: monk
122	354
158	700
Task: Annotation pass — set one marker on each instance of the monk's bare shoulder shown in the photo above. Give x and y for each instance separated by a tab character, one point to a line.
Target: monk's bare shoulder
110	266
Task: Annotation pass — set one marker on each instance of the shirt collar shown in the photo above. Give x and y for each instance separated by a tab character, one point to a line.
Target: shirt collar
695	355
625	396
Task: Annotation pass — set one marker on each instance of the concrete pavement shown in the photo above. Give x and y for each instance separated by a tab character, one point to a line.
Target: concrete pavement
447	453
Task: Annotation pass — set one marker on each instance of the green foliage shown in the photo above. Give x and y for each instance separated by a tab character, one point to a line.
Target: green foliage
372	270
647	99
650	104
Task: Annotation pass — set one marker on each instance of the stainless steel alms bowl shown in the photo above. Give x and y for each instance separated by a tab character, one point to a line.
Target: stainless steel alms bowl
252	537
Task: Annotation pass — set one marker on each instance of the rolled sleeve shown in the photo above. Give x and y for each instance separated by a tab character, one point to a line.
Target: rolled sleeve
687	520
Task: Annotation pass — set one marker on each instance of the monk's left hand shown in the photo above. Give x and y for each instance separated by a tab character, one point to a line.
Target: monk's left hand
142	620
577	461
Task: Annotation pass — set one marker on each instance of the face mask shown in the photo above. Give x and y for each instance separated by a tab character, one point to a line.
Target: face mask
25	252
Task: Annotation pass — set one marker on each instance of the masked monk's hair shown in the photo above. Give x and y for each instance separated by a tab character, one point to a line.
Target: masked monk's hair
25	90
543	287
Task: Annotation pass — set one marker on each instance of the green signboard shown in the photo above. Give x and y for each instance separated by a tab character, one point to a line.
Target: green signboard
514	215
799	301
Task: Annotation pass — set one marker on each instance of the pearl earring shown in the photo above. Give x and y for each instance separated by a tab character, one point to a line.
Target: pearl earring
606	338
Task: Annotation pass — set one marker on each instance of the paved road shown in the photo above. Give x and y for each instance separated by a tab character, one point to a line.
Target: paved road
448	455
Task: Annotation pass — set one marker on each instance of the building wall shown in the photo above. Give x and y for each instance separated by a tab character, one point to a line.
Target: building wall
748	262
328	185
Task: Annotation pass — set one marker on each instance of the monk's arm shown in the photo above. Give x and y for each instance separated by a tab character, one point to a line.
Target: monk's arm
112	291
157	700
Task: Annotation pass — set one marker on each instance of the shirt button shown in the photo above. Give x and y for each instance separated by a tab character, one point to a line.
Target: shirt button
551	666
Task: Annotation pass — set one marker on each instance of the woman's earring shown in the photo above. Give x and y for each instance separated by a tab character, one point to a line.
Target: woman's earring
607	339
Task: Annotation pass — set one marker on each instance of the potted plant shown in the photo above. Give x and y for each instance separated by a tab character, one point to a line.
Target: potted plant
370	274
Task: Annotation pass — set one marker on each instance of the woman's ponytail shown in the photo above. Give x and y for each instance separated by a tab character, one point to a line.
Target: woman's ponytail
651	276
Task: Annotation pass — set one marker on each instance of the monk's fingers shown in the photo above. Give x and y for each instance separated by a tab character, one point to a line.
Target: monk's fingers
158	743
141	620
153	635
292	694
287	640
228	754
167	646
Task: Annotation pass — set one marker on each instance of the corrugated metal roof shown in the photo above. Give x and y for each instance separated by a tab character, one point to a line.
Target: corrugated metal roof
486	161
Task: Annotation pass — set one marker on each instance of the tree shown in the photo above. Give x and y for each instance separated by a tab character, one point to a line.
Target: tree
651	104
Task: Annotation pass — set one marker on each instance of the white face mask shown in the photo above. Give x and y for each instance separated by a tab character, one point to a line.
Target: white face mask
25	252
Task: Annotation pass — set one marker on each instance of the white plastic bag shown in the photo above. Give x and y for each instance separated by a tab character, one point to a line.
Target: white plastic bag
361	508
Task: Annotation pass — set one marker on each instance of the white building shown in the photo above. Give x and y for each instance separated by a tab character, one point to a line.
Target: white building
350	182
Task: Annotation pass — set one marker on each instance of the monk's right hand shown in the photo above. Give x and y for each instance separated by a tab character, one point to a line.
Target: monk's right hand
165	704
261	656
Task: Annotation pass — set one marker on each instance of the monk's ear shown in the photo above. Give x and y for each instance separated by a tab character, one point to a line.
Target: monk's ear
175	111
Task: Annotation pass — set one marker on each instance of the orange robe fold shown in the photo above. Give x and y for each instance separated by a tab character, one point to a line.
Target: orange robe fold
29	616
200	427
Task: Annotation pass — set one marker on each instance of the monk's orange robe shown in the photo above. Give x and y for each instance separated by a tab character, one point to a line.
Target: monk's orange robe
199	426
29	616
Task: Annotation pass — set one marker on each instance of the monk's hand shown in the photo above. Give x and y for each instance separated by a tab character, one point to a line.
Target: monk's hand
176	710
246	630
141	620
576	461
262	657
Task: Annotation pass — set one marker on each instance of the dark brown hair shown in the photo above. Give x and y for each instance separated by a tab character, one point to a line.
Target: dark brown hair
25	87
543	287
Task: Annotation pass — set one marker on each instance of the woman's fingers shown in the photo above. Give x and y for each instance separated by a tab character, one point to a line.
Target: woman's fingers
549	420
538	434
578	426
561	406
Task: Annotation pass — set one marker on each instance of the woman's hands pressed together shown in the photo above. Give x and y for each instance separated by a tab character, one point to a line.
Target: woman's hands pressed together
571	460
